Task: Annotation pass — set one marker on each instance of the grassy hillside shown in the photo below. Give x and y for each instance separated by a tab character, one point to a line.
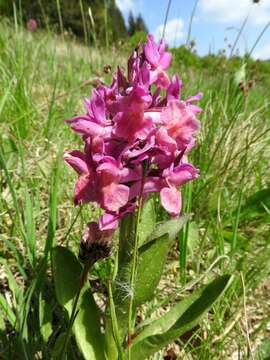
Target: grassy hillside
43	79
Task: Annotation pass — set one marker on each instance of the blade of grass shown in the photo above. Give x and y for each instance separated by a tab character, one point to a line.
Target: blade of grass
183	236
166	18
191	21
53	206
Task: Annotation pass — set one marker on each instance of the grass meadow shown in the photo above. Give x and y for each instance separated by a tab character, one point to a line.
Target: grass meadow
43	78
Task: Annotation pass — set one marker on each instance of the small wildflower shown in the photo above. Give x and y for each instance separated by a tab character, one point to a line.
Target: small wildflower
32	25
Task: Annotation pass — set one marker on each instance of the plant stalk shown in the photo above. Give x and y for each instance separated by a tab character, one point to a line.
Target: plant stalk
134	266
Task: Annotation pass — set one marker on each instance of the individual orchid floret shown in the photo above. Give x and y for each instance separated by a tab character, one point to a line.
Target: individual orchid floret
159	60
94	123
181	123
113	195
86	188
170	196
130	123
174	89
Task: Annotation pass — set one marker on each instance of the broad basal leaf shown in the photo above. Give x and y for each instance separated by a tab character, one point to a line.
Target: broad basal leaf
170	227
86	327
148	221
152	258
181	318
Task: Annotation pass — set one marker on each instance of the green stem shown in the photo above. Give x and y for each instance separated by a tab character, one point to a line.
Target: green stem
60	18
134	268
115	323
74	311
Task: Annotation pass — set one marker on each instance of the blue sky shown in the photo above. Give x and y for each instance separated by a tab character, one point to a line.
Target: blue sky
214	21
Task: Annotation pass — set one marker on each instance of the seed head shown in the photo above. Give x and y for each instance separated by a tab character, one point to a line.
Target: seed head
95	244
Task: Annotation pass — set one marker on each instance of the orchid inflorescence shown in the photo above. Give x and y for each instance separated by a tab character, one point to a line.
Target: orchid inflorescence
136	141
32	25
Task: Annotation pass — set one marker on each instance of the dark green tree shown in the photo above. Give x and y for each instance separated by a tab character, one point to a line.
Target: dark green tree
140	24
131	24
109	24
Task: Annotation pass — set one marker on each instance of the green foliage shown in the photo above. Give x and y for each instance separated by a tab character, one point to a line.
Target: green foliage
45	316
148	221
67	270
138	37
263	350
181	318
152	257
256	206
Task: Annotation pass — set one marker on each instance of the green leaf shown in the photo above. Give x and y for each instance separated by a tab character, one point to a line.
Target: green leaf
7	311
45	318
152	258
56	352
241	240
181	318
193	237
263	350
240	75
53	206
86	327
170	227
148	221
30	227
256	205
2	323
121	288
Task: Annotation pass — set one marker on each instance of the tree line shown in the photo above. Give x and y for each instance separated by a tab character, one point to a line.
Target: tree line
93	20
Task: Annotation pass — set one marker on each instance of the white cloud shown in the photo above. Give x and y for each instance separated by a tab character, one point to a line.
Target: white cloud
229	11
263	53
125	5
174	31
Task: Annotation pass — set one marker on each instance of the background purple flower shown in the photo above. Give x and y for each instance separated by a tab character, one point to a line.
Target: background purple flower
32	25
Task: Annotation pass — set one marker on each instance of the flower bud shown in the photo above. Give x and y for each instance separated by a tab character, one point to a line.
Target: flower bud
95	244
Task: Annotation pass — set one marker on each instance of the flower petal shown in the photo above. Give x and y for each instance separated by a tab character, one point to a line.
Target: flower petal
182	174
88	128
108	222
165	60
85	190
171	200
76	159
114	196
